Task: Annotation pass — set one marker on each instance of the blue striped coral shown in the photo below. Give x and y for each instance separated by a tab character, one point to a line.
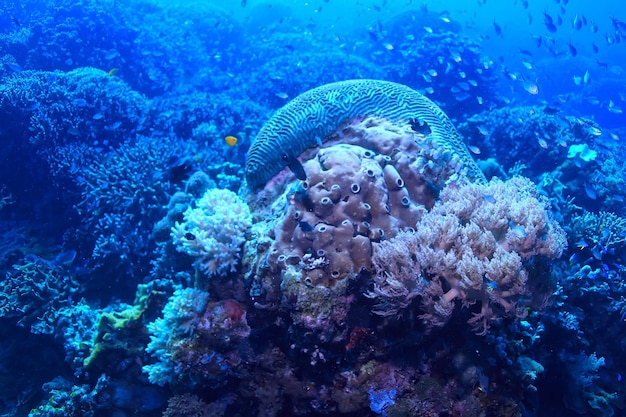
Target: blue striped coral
213	231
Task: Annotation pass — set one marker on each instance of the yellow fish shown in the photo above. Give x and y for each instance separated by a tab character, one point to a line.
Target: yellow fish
230	140
112	72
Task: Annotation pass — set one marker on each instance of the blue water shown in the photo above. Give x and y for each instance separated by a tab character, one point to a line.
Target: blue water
144	277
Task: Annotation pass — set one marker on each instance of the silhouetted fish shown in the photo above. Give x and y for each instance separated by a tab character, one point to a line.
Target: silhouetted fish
549	23
590	191
305	226
550	110
295	166
497	28
420	127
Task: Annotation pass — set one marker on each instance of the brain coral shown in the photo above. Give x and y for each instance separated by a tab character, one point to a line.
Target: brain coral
307	120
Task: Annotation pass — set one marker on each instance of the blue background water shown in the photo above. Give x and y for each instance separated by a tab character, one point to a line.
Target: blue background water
107	108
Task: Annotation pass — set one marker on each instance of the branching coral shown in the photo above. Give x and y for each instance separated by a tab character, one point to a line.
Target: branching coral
528	134
603	234
33	291
214	231
180	318
84	105
122	196
68	399
473	246
196	340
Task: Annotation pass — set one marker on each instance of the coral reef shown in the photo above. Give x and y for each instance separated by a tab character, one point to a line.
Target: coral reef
34	290
189	405
121	197
180	318
314	69
362	272
530	134
601	235
371	180
51	109
69	400
436	59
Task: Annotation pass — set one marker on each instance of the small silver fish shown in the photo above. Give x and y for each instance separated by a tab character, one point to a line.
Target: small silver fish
594	131
542	142
613	108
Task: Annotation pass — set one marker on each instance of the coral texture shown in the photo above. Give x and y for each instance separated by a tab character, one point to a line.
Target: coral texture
214	231
473	246
376	182
79	105
196	340
603	234
370	181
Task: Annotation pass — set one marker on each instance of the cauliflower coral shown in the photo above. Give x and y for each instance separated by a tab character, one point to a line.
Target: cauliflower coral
214	231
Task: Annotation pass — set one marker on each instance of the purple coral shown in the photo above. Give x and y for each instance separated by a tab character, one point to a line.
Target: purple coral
371	180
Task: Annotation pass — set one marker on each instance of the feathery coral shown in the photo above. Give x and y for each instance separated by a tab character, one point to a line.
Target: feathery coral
472	246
